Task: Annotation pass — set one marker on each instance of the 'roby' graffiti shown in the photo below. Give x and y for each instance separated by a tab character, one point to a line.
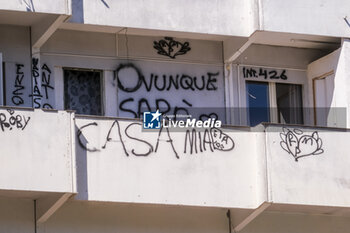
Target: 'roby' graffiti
194	141
11	120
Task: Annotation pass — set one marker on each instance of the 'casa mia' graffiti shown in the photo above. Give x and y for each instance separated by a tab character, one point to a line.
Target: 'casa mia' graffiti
193	141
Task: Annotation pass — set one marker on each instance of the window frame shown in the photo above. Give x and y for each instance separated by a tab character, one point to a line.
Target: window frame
243	105
2	82
102	87
273	100
302	102
267	84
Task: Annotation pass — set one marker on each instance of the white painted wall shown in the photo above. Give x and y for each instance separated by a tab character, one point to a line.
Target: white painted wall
306	17
119	45
227	17
106	52
338	93
36	151
211	178
317	179
169	175
55	7
199	88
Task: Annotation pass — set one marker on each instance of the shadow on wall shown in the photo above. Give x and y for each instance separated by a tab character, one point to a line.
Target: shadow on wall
78	10
81	162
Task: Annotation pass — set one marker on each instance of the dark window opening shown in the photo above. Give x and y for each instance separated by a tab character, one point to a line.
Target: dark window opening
289	103
288	99
83	91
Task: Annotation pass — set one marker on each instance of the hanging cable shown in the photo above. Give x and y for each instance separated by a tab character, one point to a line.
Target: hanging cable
126	43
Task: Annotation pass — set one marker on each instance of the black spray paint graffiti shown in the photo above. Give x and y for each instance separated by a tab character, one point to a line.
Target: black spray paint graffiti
45	85
298	144
17	98
170	47
263	73
185	82
197	142
10	120
114	135
214	138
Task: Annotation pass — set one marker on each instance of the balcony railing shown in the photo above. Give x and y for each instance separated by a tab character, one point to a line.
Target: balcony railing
37	150
232	167
119	161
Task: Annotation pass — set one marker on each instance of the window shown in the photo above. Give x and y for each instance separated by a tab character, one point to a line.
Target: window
82	91
289	103
258	102
264	97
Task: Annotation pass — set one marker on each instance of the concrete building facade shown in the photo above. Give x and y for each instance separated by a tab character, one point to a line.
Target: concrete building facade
77	75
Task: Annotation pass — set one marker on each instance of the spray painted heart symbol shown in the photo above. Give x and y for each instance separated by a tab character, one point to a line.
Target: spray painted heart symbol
221	141
296	143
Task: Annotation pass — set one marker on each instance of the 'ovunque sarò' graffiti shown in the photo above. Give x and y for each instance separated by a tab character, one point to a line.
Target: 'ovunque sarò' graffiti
171	91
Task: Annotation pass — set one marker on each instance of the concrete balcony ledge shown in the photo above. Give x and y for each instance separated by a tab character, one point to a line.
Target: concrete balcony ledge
44	154
39	6
118	161
231	167
36	152
308	166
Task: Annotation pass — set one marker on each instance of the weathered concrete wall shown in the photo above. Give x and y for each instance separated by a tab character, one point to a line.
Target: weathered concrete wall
301	223
42	6
36	151
17	215
96	217
227	17
328	80
15	49
211	168
306	17
306	166
198	72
